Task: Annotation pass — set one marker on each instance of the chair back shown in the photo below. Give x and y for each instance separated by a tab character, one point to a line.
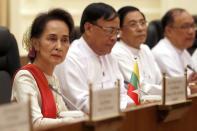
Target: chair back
9	63
154	33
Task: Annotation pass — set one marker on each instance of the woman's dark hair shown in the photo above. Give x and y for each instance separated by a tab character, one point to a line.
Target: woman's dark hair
168	18
95	11
122	12
41	20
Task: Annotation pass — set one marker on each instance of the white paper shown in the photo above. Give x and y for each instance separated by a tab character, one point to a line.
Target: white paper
15	117
175	90
105	103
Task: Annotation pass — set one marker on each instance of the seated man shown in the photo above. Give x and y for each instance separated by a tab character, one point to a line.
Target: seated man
89	59
130	47
170	53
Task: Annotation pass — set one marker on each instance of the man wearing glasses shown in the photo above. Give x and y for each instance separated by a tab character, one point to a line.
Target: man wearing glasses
170	53
89	59
130	48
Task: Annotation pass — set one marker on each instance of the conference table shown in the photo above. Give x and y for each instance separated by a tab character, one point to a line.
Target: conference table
142	118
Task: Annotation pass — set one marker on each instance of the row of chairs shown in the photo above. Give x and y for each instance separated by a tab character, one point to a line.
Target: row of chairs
10	60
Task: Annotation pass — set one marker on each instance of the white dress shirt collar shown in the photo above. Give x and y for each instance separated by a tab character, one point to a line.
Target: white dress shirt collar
167	41
87	47
135	51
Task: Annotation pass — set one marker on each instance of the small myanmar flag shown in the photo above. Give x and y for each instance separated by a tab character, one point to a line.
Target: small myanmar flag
133	91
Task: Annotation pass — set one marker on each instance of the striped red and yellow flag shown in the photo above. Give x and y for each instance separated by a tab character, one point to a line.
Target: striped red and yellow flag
133	91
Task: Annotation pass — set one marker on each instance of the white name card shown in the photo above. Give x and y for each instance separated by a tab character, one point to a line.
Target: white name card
15	117
105	103
175	90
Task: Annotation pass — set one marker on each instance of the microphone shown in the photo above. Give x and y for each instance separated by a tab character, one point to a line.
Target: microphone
127	83
65	98
192	69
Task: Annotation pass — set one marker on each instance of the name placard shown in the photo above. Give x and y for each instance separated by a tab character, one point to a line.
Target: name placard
104	103
15	117
175	90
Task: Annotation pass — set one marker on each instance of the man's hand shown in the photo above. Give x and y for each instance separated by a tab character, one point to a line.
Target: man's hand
193	87
193	77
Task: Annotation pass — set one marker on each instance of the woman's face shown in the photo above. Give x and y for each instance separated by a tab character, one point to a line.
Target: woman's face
53	44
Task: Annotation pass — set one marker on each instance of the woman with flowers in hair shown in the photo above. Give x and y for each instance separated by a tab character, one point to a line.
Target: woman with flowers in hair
48	42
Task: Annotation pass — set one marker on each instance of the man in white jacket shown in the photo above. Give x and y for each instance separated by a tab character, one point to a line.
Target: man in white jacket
170	53
89	59
130	47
